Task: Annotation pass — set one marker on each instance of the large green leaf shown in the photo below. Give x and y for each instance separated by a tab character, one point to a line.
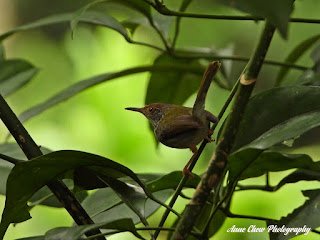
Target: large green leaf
99	18
242	158
272	162
133	196
28	177
171	181
74	233
275	106
104	205
14	74
92	81
278	12
295	54
174	87
306	216
300	175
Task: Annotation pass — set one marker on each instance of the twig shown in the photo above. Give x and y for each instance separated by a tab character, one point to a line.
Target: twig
218	163
10	159
31	150
165	11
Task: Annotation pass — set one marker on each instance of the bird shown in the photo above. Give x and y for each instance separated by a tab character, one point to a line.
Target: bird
182	127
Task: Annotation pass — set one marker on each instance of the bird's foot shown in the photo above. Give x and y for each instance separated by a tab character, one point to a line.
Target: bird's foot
188	173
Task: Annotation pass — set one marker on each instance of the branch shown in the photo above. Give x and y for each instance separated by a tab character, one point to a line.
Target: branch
161	8
218	164
10	159
31	150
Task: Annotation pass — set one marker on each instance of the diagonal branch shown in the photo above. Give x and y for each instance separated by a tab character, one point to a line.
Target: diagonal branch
218	164
31	150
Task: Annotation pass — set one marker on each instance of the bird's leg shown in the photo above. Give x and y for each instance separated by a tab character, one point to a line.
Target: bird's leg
185	169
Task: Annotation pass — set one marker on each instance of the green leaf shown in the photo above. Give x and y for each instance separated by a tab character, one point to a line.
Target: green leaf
175	87
133	196
90	17
273	107
133	23
74	233
28	177
171	181
33	238
273	162
140	6
278	12
307	216
90	82
295	54
2	53
300	175
14	74
105	205
11	150
101	19
242	158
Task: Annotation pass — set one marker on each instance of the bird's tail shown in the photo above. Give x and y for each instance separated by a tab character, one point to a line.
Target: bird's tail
211	71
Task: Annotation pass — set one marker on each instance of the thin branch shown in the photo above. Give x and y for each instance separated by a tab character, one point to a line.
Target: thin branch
165	11
31	150
256	187
10	159
217	165
231	215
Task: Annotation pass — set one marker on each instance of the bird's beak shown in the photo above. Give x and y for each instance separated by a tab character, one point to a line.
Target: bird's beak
134	109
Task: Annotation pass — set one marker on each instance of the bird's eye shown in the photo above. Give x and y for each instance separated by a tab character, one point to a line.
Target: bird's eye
150	109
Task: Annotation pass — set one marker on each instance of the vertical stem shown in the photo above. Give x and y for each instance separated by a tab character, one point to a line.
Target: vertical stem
218	163
31	150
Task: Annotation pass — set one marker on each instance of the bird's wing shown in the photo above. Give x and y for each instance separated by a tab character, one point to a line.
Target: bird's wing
180	124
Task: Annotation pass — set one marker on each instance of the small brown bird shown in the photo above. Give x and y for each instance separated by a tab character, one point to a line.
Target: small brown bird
183	127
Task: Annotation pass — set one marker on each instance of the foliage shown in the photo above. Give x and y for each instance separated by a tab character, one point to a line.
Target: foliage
123	200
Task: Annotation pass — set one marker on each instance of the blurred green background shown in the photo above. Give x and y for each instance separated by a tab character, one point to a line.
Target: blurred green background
95	121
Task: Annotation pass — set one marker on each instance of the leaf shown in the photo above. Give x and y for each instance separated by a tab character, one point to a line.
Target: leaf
2	53
171	181
141	6
32	238
90	17
278	12
74	233
12	150
300	175
306	216
90	82
273	162
272	107
175	87
133	23
14	74
99	18
133	196
295	54
105	205
28	177
284	131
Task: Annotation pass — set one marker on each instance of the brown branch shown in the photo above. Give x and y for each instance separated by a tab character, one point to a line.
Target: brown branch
31	150
217	165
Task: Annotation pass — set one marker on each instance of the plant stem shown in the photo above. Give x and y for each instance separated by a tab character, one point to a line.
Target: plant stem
218	163
31	150
10	159
165	11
